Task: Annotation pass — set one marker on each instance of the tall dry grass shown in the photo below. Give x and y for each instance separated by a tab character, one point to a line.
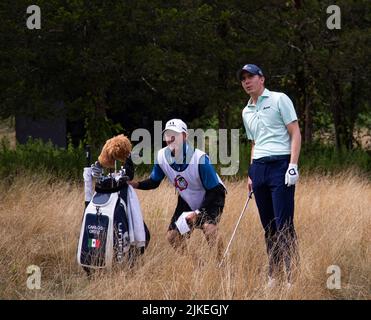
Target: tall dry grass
40	223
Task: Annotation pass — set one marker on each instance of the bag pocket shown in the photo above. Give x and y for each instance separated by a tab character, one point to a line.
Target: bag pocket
93	248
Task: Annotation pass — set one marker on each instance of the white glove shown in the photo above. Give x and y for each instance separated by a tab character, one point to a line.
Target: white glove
292	175
97	169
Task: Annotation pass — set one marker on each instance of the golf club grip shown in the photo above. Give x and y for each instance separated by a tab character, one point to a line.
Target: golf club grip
87	156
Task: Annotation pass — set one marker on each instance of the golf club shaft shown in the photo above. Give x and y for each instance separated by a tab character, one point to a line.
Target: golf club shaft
235	229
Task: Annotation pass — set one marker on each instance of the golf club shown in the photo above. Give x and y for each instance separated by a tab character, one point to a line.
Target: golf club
235	229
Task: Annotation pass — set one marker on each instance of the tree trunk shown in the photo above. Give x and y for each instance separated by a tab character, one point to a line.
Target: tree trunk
337	110
222	117
222	30
299	105
353	109
308	130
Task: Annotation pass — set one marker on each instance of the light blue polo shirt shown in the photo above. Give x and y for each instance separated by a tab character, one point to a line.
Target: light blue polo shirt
265	123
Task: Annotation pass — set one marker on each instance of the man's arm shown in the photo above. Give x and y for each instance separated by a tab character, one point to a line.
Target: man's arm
129	168
295	135
290	119
211	205
252	151
213	202
249	181
147	184
152	182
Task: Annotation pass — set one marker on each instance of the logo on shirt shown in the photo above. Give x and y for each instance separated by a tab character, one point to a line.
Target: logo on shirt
180	182
267	107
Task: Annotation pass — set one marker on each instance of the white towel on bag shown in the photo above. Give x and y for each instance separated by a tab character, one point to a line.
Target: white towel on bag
135	220
88	184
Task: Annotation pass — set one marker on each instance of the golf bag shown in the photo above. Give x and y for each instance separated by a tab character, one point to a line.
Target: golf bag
112	230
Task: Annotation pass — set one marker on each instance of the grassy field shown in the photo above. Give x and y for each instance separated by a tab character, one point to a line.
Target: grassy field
40	225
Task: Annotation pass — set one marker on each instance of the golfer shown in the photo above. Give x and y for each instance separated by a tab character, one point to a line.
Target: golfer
200	190
272	125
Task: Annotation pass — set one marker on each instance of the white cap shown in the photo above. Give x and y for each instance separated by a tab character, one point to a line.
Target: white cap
176	125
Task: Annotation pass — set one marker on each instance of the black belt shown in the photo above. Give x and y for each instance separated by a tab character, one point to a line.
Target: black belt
272	158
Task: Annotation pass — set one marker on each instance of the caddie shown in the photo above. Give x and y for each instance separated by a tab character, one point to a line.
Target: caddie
200	190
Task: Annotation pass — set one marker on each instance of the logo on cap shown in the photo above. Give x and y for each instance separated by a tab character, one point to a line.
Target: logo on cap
176	125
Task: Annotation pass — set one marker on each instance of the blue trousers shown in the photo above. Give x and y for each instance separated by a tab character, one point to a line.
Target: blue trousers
275	202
